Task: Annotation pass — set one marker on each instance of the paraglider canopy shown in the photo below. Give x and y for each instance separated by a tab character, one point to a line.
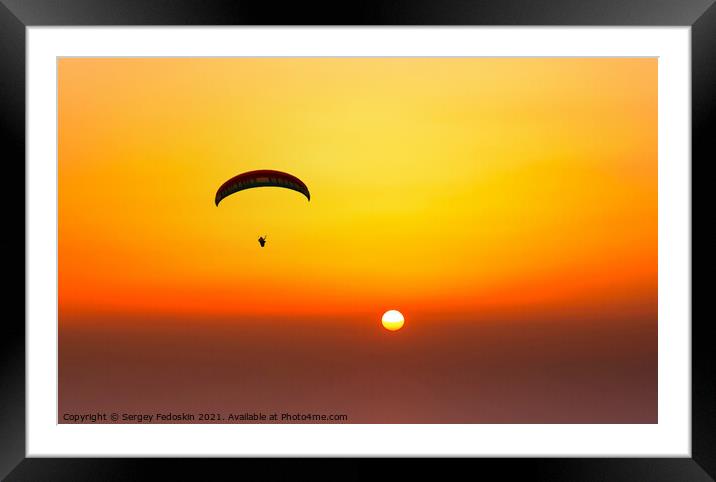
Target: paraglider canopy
261	178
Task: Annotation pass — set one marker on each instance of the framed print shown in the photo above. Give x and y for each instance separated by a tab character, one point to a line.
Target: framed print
407	232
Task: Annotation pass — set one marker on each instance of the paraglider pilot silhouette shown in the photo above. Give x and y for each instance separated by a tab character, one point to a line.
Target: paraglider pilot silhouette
261	178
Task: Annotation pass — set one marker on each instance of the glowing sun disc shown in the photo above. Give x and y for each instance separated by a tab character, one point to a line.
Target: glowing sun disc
393	320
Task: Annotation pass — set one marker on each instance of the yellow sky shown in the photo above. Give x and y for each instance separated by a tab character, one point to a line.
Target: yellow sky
453	186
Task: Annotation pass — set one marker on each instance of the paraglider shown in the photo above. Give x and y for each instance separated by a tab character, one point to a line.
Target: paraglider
261	178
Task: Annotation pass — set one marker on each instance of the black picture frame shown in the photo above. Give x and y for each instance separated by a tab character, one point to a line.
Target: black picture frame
16	15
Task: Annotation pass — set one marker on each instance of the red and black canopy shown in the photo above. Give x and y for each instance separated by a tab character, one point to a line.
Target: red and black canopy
261	178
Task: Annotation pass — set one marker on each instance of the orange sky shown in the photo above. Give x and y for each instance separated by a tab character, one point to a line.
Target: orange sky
465	187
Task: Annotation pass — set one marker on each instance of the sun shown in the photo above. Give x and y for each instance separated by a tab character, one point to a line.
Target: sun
393	320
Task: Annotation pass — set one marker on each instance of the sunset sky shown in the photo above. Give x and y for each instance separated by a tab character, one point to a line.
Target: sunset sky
470	188
507	207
